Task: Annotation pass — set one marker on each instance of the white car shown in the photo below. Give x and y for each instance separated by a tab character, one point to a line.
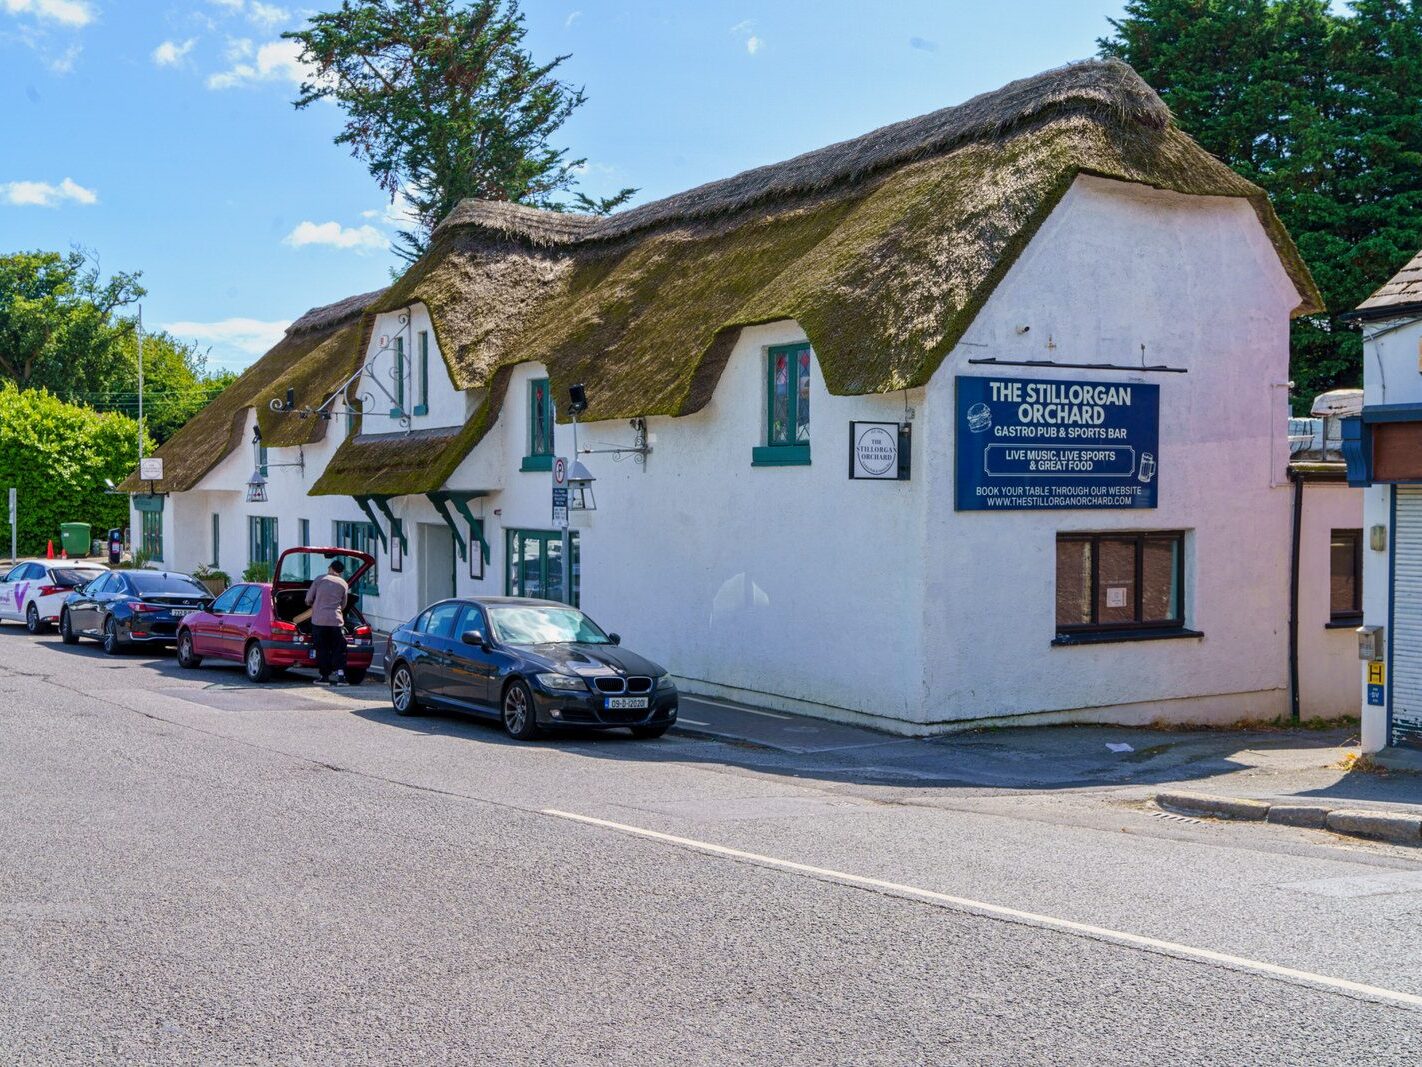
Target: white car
34	590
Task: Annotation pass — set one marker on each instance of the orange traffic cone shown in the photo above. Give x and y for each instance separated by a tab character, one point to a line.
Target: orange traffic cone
49	553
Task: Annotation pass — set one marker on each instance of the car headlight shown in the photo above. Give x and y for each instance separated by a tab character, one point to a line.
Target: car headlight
665	683
561	681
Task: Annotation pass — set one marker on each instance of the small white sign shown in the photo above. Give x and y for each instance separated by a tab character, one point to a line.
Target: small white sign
150	469
874	450
1115	596
560	472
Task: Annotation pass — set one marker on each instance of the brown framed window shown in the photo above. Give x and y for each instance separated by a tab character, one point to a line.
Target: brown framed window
1345	576
1120	581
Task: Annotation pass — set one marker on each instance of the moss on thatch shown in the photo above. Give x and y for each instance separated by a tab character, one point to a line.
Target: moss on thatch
883	248
318	351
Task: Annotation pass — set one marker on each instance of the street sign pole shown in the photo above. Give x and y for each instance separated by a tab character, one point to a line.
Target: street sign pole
14	524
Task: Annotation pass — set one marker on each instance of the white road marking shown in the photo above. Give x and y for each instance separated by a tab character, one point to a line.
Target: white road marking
691	722
998	911
736	707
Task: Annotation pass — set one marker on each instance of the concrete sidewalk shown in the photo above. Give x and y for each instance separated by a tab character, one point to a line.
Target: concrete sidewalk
1273	765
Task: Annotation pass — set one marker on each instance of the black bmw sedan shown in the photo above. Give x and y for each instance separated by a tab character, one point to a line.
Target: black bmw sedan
535	665
127	608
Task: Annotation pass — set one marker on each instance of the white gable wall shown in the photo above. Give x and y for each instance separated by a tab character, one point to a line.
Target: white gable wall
1196	281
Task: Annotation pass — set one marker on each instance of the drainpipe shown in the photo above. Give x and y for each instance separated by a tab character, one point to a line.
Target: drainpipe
1297	478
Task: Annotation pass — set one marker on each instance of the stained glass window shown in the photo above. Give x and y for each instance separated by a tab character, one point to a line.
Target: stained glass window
540	418
788	419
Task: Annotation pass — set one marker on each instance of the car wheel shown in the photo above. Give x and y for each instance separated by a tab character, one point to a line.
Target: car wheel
519	718
402	691
186	656
255	664
33	623
66	631
111	638
647	733
355	675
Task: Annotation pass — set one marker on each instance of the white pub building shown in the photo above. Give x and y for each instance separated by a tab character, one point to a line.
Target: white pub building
975	418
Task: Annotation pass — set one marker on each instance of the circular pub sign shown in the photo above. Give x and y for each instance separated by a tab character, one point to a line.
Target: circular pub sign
876	451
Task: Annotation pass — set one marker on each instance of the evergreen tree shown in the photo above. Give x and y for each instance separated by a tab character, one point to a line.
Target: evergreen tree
443	102
1322	110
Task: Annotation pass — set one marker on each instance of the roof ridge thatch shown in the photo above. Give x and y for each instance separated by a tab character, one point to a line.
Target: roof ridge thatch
1105	88
328	315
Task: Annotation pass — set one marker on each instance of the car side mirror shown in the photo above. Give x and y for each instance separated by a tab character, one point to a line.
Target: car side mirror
475	637
616	639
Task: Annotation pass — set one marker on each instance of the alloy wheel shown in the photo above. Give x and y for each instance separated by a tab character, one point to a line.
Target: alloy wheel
402	690
32	620
516	710
254	662
111	644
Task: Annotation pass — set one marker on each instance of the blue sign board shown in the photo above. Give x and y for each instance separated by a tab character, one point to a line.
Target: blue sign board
1030	443
1375	696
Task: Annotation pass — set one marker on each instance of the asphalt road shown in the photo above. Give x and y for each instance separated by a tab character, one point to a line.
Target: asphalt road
194	870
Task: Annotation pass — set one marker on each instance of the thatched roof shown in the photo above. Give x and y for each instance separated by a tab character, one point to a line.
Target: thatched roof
1400	295
883	248
317	351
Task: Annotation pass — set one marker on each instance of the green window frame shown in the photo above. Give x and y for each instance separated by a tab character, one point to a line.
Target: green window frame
363	537
262	540
787	407
423	375
399	409
216	540
540	426
303	539
533	565
262	459
151	534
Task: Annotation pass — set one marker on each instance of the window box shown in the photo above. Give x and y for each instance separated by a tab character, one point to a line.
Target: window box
1105	637
780	456
537	463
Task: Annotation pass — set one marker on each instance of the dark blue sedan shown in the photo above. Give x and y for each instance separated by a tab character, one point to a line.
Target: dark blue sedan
535	665
127	608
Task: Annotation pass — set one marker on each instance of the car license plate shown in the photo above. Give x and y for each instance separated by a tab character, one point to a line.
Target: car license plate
619	703
180	611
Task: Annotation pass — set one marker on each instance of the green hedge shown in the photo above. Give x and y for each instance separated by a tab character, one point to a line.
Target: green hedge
58	456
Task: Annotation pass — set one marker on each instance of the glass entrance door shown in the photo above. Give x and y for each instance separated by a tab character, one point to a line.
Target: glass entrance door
535	565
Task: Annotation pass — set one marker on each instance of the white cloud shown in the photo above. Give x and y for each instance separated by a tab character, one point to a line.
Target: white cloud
398	212
568	22
743	28
268	16
238	48
169	53
66	12
252	336
274	61
230	5
64	63
334	235
43	194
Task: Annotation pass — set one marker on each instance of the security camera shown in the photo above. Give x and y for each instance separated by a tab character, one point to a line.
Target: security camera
578	400
1023	329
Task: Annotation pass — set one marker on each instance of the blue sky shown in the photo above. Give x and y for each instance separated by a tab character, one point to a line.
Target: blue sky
161	135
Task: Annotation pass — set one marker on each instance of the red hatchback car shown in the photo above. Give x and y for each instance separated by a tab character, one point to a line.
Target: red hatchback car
266	627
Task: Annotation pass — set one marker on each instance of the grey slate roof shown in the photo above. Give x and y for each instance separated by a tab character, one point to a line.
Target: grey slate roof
1402	293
